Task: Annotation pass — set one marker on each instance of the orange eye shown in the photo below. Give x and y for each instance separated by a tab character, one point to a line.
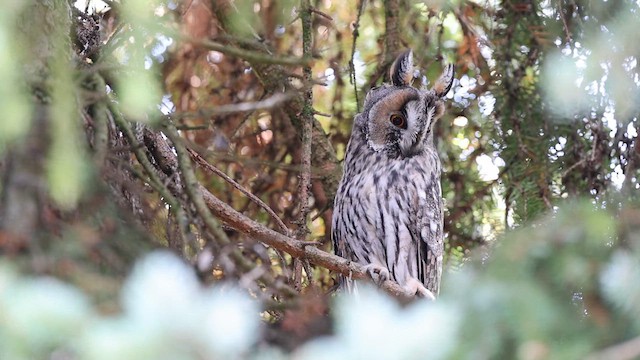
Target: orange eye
398	121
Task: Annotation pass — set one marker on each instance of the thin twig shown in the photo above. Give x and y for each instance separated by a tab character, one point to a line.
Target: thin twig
191	128
268	103
309	271
248	54
324	15
352	68
317	173
572	167
564	22
205	164
315	112
297	274
196	191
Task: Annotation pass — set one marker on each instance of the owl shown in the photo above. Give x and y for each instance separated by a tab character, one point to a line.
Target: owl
388	209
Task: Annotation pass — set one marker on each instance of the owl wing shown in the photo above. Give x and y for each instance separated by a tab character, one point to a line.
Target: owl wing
429	220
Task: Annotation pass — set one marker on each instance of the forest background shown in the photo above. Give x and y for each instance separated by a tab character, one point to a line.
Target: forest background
215	130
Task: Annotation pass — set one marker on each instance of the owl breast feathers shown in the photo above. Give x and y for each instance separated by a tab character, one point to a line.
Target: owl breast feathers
388	210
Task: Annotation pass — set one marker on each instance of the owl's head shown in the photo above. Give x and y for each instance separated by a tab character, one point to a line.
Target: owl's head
398	118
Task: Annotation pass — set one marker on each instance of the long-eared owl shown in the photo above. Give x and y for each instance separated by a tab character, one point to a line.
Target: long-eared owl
388	210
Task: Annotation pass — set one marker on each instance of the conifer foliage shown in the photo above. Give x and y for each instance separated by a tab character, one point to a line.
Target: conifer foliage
168	170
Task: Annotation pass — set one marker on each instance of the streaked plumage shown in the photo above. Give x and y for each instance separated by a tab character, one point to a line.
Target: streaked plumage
388	209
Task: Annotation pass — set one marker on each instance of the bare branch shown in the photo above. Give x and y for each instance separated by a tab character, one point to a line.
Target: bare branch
352	67
274	78
306	124
323	14
196	194
248	54
191	184
392	30
269	103
202	162
293	247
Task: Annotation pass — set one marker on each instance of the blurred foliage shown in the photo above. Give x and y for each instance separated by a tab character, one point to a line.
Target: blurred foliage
562	289
544	111
165	315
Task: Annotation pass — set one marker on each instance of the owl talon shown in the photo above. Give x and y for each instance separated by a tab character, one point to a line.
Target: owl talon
378	274
415	288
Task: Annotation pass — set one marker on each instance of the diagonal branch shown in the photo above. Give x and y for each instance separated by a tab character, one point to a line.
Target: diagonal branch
249	55
271	102
295	248
203	163
193	189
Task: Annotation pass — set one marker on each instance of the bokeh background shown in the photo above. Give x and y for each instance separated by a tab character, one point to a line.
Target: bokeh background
116	114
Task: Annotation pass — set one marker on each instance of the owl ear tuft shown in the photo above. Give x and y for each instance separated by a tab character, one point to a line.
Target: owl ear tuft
443	85
401	71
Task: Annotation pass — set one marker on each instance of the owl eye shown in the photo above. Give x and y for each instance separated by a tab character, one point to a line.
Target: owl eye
398	121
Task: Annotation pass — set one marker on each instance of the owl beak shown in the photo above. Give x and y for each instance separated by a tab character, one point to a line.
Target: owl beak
413	148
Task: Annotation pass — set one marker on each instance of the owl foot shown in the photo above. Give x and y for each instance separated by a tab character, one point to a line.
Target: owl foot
415	287
378	273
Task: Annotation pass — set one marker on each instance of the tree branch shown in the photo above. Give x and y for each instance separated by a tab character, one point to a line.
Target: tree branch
195	193
275	77
191	184
352	67
203	163
268	103
392	34
294	247
251	56
306	119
